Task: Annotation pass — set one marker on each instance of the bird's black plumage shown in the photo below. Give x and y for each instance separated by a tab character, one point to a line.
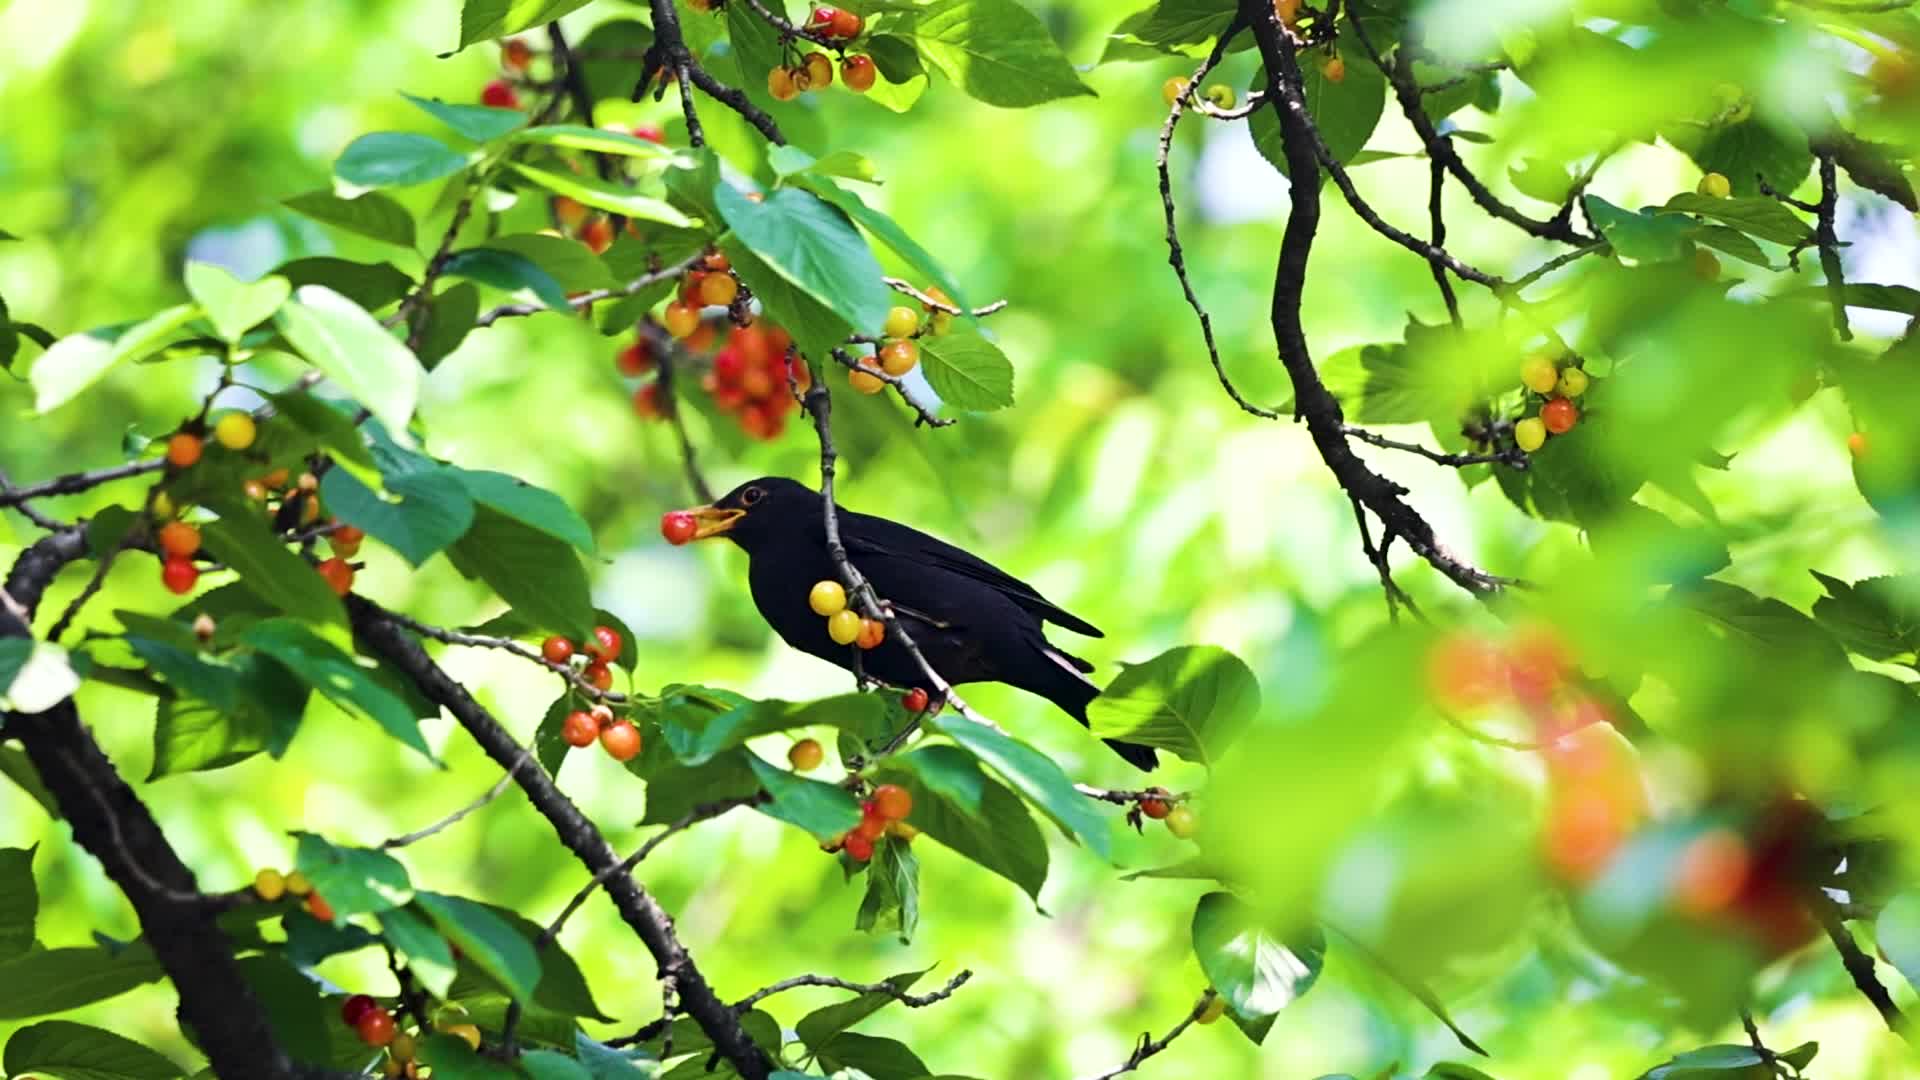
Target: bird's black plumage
973	621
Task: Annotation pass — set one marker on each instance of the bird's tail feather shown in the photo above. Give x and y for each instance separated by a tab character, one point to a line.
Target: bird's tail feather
1073	692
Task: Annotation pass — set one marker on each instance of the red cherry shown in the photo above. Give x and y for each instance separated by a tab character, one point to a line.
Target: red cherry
646	402
1466	672
821	21
598	675
580	729
892	802
184	449
605	646
621	741
178	575
376	1028
653	133
338	575
858	73
846	25
858	847
1156	808
556	649
915	701
598	235
635	359
872	825
356	1007
729	365
515	54
1559	415
678	527
499	94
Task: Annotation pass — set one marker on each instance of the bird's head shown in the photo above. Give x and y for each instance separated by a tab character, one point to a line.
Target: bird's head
756	513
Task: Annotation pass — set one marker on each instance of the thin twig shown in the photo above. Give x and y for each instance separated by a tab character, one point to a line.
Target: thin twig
664	354
78	481
1149	1046
483	641
899	384
1131	798
1829	241
911	1001
1437	218
498	789
902	286
1516	457
586	299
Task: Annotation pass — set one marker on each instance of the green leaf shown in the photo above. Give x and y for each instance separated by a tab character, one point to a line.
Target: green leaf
1898	932
673	790
605	196
893	891
1537	178
19	902
397	159
476	123
823	809
791	161
432	510
1033	775
883	1059
452	1059
1749	151
535	573
1879	618
192	735
959	805
816	328
13	657
234	306
1170	23
371	285
570	262
481	20
355	881
15	766
1193	701
696	735
511	272
1723	1062
77	361
889	233
532	506
309	941
337	677
427	954
607	74
106	530
269	570
552	1065
371	215
487	940
819	1027
450	318
350	347
1642	237
62	1050
1346	112
562	988
595	140
967	371
1758	216
299	1016
1735	243
814	247
55	980
1256	972
995	50
328	425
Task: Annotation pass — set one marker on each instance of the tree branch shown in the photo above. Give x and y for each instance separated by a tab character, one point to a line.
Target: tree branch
1150	1046
76	482
387	638
1858	964
112	824
587	299
911	1001
1313	403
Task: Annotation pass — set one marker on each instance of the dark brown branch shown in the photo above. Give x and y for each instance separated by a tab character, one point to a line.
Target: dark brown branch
637	907
1828	240
1437	219
588	299
412	309
664	352
112	824
1858	964
1440	147
1313	403
1515	457
911	1001
77	482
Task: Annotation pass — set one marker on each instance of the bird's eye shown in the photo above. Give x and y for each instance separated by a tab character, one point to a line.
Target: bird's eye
751	495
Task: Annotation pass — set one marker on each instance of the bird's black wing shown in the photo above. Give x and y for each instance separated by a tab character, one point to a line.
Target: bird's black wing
869	535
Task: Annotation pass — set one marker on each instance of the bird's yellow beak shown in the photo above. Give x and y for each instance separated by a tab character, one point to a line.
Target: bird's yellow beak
713	521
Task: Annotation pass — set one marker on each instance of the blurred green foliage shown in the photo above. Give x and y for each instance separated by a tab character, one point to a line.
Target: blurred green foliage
1125	486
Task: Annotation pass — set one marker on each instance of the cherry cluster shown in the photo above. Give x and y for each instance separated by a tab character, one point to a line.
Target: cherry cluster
270	885
844	625
617	736
885	814
1557	383
376	1026
1159	804
898	350
815	70
290	501
599	655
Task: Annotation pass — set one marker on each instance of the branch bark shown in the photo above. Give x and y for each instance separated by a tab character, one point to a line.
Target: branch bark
387	638
114	826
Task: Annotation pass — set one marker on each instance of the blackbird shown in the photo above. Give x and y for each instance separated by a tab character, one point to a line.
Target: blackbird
972	621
